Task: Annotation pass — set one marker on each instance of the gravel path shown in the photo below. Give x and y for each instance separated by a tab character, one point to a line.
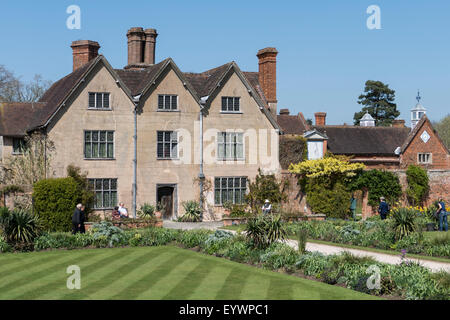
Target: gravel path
323	248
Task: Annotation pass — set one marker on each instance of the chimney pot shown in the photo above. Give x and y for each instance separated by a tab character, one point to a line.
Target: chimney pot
150	44
399	123
83	51
320	118
267	61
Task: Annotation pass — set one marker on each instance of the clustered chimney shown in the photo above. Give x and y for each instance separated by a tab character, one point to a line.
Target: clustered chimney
398	123
83	51
141	47
268	76
320	118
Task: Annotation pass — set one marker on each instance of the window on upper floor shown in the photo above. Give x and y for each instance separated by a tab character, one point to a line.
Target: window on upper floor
167	102
18	145
167	145
315	150
230	146
424	158
231	104
99	101
105	191
229	189
98	144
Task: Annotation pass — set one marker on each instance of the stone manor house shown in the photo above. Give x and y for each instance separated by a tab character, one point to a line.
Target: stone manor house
150	133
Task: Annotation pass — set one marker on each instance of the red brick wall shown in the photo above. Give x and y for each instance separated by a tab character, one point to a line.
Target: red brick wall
440	156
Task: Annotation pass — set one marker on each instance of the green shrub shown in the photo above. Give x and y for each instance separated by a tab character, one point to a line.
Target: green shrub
193	238
4	246
217	241
279	255
19	228
192	211
265	186
54	202
334	201
105	234
404	222
418	186
263	230
146	211
302	237
238	211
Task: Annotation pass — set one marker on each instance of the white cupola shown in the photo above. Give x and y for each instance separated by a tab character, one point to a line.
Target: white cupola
367	121
417	112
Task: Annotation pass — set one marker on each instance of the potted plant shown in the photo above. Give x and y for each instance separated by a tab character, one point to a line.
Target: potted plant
159	209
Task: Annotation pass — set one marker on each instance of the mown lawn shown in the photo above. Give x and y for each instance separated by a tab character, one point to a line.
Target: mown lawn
151	273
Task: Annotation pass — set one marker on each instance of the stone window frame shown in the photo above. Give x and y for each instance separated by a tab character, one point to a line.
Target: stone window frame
98	142
18	145
423	154
92	182
220	188
233	146
162	100
225	107
95	102
172	143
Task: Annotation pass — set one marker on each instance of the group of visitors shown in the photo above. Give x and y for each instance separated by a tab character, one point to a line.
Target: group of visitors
441	213
79	216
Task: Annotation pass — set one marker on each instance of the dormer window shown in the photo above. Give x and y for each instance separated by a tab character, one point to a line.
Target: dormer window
231	104
99	101
167	102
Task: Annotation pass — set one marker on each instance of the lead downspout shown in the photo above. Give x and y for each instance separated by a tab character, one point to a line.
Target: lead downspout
201	175
135	160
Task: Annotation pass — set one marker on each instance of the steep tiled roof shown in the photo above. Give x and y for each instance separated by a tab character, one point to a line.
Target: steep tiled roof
357	140
135	81
16	118
292	124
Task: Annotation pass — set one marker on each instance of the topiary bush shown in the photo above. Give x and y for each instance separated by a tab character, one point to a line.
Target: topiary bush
54	202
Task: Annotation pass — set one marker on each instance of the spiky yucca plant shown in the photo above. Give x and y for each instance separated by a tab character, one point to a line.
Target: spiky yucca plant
404	222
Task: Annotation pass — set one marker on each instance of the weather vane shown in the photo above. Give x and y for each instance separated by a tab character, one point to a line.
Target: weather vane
418	96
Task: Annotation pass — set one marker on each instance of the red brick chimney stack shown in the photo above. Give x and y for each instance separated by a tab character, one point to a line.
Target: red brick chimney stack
320	118
150	43
83	51
136	38
398	123
268	76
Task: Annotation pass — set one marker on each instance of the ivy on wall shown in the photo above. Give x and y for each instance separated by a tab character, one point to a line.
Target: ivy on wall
418	185
292	149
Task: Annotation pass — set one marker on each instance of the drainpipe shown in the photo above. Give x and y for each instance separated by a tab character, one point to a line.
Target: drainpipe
136	102
201	175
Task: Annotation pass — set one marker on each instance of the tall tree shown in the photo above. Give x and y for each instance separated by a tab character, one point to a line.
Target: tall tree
443	129
12	89
378	101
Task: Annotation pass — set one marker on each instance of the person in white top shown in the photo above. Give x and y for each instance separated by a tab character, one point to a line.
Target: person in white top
266	207
122	210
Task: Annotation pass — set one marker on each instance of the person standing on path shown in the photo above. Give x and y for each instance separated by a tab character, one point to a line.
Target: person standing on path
353	207
443	223
383	208
76	219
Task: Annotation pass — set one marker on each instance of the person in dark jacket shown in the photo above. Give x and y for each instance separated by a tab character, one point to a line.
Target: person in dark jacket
383	209
76	219
82	219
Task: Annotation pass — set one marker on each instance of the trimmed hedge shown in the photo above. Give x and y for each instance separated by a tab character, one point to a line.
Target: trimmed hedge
54	202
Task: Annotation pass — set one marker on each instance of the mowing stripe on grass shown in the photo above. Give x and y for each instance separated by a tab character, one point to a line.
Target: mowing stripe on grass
120	268
256	287
233	285
279	289
92	271
148	279
213	281
131	273
27	276
58	278
190	282
19	266
167	282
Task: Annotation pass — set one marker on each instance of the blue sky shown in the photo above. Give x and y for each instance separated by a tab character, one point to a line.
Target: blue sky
326	52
